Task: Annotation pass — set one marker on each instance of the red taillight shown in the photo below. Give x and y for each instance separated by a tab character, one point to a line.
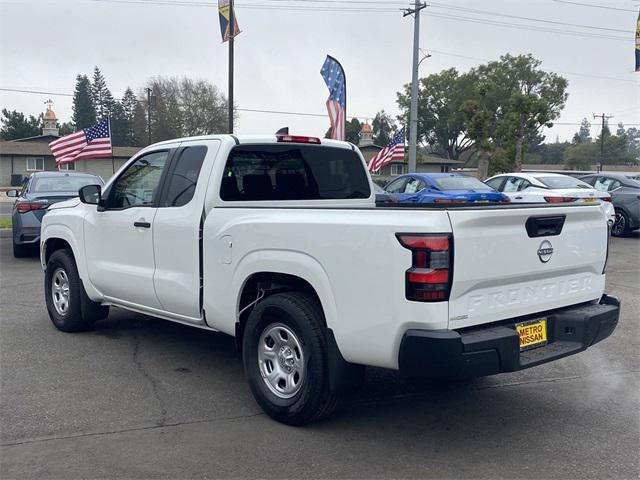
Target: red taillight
607	199
506	200
297	139
429	278
24	207
447	200
559	199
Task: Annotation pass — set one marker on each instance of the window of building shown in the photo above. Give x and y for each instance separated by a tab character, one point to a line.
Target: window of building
35	164
397	169
67	166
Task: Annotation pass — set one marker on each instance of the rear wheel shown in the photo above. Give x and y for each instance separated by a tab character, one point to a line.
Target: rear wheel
285	359
621	226
69	307
20	251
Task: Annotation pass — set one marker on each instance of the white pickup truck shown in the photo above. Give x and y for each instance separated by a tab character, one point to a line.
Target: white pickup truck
278	241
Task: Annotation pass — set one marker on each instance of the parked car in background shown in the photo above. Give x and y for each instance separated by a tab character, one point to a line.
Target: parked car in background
441	188
625	193
381	195
550	188
40	190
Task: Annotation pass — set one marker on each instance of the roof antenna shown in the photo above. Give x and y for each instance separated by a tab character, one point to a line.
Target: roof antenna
283	131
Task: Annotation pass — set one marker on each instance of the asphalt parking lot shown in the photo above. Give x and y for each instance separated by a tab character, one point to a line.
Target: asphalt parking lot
143	398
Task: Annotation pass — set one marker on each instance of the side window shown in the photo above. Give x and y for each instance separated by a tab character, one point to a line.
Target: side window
138	184
602	184
413	185
512	184
613	184
495	183
396	186
184	176
523	185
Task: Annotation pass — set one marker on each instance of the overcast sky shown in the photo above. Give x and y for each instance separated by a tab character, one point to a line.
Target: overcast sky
45	43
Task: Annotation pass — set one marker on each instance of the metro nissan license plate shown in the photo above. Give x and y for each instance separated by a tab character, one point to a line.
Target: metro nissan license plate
532	334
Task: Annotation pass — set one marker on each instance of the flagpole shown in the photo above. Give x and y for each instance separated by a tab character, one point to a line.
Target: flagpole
113	162
232	32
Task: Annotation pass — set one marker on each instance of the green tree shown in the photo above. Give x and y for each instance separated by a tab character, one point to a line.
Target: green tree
382	127
119	125
66	128
84	113
103	101
16	125
522	100
441	122
129	104
581	156
352	131
584	134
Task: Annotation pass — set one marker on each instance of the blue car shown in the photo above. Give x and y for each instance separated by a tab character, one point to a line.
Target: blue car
442	188
40	190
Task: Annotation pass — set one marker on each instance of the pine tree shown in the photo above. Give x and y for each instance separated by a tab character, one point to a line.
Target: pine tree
119	125
101	95
129	103
84	113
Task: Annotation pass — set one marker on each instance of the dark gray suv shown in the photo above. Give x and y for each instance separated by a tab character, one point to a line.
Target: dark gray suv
624	189
40	190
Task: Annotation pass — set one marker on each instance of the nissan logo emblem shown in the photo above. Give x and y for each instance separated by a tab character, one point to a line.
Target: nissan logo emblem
545	250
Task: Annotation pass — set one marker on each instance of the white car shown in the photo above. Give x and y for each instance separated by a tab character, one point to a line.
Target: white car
278	241
550	188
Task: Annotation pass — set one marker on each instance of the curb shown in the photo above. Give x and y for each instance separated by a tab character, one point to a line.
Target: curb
5	233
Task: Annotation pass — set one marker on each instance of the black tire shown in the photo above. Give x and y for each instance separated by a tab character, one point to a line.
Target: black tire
21	251
301	314
621	227
80	312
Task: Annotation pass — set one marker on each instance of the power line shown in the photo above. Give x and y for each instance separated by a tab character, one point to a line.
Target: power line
277	112
601	77
250	110
531	19
605	7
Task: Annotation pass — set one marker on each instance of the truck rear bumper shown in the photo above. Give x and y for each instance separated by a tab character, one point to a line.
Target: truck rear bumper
494	349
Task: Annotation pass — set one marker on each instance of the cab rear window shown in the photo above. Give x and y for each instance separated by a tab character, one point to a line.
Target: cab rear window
293	172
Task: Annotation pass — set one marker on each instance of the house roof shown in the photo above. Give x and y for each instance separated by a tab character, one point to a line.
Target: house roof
371	146
42	149
428	159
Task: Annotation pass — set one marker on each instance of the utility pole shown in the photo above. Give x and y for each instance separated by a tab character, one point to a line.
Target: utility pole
232	33
604	124
149	114
413	114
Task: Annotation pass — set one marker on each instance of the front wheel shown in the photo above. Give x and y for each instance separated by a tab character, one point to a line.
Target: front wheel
621	226
284	352
69	307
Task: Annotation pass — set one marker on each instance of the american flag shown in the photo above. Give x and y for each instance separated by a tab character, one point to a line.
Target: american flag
393	151
92	142
336	81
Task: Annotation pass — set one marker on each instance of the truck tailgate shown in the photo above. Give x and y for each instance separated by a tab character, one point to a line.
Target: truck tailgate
515	262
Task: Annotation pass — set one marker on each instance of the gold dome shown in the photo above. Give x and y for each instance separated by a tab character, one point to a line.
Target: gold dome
366	128
50	115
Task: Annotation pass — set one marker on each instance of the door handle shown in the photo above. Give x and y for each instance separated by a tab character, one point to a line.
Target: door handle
142	224
518	198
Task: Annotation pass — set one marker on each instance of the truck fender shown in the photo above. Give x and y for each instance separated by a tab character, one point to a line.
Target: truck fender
63	232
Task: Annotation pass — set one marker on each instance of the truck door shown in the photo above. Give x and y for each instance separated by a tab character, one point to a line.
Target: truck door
176	229
119	234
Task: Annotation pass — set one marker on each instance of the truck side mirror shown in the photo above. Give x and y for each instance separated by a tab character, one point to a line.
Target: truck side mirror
90	194
13	193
